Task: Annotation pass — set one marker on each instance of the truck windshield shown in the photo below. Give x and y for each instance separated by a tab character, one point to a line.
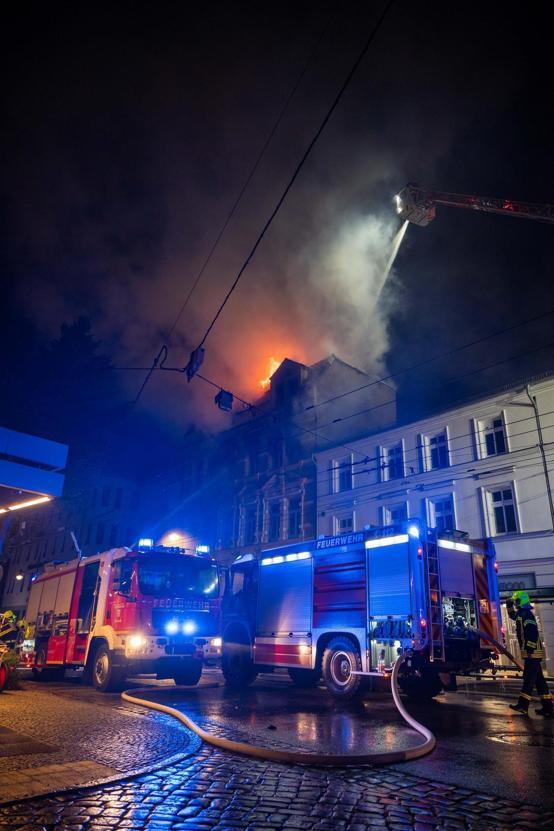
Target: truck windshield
176	578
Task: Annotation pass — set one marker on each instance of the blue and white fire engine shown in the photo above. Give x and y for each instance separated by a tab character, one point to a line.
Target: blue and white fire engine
345	607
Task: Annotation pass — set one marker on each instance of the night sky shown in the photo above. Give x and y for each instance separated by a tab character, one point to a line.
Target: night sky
131	128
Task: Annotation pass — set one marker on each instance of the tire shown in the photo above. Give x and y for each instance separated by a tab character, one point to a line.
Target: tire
422	687
237	663
189	674
304	678
106	676
340	658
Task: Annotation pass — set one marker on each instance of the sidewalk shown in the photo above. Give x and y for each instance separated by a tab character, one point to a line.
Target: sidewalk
50	739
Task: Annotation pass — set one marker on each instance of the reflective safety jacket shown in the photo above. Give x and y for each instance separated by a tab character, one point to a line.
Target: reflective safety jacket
527	632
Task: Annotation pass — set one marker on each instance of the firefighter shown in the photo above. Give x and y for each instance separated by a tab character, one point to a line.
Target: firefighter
8	624
519	609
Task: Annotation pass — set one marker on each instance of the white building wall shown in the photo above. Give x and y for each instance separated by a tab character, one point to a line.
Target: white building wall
477	473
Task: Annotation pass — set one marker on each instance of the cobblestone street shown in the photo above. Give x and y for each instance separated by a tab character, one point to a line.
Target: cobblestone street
217	791
206	788
100	738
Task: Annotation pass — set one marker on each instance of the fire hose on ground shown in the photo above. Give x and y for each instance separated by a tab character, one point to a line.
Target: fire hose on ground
300	757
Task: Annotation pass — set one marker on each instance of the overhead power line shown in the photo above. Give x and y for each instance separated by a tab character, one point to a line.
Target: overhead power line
332	442
433	358
300	165
238	199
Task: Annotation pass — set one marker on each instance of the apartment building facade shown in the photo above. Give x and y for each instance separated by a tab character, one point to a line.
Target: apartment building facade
485	467
90	517
269	495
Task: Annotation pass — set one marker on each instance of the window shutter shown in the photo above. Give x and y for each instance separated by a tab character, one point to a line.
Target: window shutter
485	511
425	511
331	474
421	451
477	447
379	463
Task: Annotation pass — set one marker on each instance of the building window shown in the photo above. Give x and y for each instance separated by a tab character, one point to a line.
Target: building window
250	525
502	511
493	437
225	528
263	462
100	533
341	475
438	451
393	462
294	518
394	514
113	536
106	493
274	522
441	513
343	524
118	498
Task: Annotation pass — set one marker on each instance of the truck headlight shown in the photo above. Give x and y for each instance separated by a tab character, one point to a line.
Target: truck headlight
172	627
216	643
137	641
189	627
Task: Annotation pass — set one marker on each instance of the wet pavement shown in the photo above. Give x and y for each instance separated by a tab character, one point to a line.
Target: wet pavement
481	744
217	791
61	735
490	770
272	713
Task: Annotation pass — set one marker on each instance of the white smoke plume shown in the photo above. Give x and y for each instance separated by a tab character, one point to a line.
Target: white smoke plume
346	279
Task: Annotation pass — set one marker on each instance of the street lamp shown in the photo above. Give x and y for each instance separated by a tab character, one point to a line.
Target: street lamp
19	575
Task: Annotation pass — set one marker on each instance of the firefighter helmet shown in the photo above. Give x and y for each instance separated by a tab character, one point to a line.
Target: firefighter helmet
521	598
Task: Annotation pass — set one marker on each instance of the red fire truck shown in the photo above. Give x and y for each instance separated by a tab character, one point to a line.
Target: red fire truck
125	611
345	607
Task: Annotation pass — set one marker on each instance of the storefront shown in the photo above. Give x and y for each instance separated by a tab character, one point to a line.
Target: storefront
542	598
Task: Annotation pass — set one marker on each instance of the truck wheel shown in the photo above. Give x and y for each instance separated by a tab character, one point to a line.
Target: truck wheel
421	687
189	674
106	676
340	659
304	678
237	664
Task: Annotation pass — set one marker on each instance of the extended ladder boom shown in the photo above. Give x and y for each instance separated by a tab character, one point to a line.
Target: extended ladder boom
419	206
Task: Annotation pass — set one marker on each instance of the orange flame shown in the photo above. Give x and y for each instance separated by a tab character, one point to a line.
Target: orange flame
272	365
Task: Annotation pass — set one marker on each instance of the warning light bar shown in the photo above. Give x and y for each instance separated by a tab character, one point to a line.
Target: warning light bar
456	546
383	541
288	558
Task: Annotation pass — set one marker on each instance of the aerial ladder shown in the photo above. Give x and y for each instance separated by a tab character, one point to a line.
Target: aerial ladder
420	206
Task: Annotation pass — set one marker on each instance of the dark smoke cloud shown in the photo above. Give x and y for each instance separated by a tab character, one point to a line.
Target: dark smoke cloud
129	141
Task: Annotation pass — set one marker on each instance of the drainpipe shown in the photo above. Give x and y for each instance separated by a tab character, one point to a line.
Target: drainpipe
533	401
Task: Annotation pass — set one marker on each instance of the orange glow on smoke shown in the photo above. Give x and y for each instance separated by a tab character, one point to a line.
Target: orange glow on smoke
272	365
